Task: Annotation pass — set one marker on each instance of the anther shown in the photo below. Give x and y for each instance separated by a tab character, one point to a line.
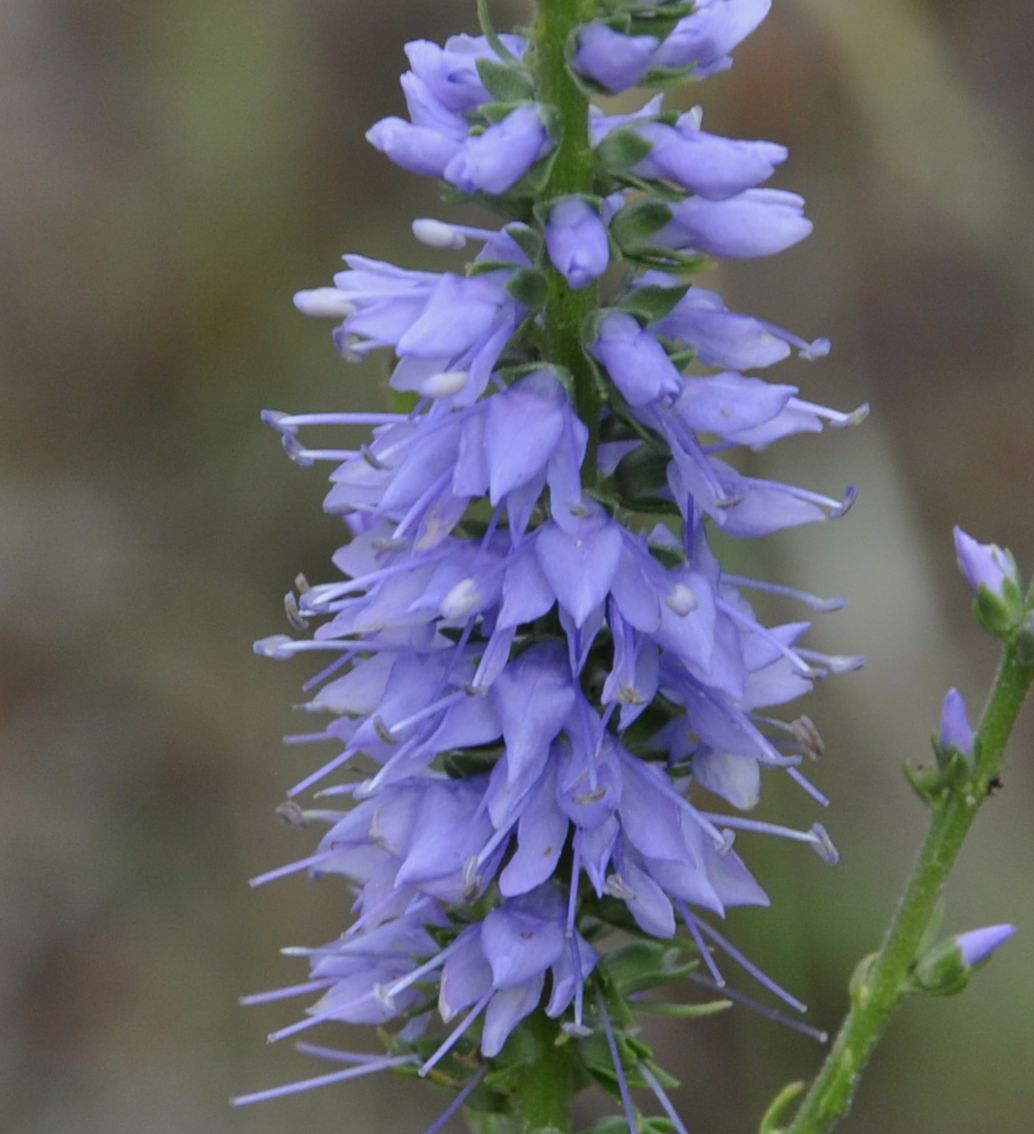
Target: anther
290	813
383	731
822	844
845	505
804	730
294	615
295	450
370	458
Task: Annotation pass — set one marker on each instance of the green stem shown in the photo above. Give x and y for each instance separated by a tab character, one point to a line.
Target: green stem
880	987
542	1097
572	172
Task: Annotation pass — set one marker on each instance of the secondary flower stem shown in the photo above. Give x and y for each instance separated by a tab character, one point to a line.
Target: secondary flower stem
566	309
882	981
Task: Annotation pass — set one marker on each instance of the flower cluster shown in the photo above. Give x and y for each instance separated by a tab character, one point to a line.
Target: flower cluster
537	662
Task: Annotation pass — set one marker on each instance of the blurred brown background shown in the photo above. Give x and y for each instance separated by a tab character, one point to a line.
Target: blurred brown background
170	172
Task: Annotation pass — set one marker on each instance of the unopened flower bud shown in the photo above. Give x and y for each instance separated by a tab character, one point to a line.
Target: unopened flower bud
956	731
985	564
576	240
948	966
992	573
977	945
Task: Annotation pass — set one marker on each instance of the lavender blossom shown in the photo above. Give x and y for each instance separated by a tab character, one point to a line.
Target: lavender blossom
529	684
956	731
611	59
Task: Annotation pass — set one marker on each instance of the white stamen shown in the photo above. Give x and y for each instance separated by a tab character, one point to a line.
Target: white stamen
437	234
835	663
460	601
324	302
681	599
819	348
444	385
278	646
617	887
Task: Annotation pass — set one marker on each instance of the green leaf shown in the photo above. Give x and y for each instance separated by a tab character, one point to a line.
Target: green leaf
463	765
666	76
526	239
779	1107
652	302
665	259
644	964
684	1011
927	781
486	267
640	734
623	148
641	473
615	1124
633	226
529	286
495	112
506	82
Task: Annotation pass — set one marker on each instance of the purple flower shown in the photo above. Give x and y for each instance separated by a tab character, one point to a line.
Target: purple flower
704	39
447	135
757	222
418	149
635	360
613	60
450	75
499	966
576	240
414	313
713	167
493	161
541	717
725	339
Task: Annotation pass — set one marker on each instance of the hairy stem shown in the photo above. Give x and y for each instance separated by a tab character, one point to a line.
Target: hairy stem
880	987
572	172
543	1094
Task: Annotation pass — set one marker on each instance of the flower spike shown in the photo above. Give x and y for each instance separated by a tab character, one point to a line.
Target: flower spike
548	705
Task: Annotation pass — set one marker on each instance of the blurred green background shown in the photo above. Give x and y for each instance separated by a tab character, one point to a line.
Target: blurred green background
170	173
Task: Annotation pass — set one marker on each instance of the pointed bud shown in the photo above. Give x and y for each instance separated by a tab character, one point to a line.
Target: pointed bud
948	967
956	731
984	564
977	945
994	578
